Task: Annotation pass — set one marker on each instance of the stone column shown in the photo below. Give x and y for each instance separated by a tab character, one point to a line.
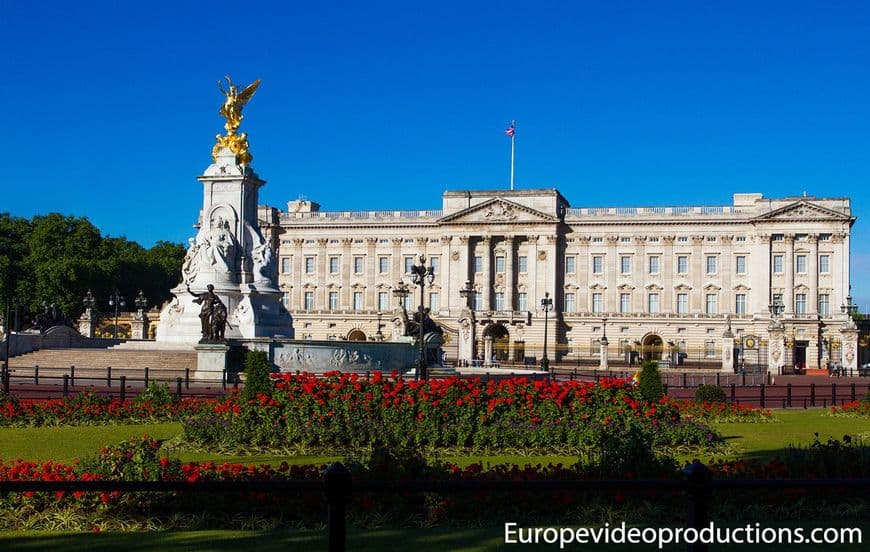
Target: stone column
759	266
535	293
321	298
466	336
666	266
553	280
509	276
345	263
775	347
611	273
486	287
139	326
726	271
87	323
813	273
639	270
849	353
696	297
604	344
371	264
298	268
445	276
583	260
788	294
727	350
487	350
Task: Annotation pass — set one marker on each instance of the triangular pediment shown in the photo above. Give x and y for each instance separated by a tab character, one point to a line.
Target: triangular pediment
498	211
801	211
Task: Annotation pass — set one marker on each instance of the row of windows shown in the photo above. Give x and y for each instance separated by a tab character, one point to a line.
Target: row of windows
334	264
654	264
358	301
711	303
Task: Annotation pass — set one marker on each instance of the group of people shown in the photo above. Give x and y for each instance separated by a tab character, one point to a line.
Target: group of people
212	315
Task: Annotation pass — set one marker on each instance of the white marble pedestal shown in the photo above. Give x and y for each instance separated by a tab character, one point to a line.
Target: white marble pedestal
211	361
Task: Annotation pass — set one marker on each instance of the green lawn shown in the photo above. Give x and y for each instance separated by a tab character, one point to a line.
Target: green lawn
748	440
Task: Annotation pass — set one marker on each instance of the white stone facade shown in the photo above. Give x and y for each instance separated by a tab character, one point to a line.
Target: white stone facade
665	279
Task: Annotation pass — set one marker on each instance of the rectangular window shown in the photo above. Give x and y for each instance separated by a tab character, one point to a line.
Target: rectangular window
710	349
654	264
682	303
712	306
435	263
383	265
383	301
597	264
800	303
333	265
434	299
499	301
625	265
711	264
408	302
740	303
653	303
824	264
569	302
357	300
409	262
285	265
308	303
824	237
358	265
522	301
801	264
499	264
477	304
309	265
285	299
478	263
778	237
522	264
570	265
824	304
624	302
333	300
682	264
740	264
777	264
597	302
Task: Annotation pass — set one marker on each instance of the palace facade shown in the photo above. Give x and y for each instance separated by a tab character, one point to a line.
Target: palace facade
664	282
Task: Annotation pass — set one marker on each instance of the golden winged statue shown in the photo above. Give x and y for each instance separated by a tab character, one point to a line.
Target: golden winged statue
231	110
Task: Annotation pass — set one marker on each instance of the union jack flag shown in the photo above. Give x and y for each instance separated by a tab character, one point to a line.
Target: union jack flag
511	129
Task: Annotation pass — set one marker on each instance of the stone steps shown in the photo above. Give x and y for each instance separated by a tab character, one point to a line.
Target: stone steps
93	363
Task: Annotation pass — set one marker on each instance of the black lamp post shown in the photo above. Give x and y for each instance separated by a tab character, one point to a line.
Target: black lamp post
141	302
547	305
421	275
89	301
116	300
379	335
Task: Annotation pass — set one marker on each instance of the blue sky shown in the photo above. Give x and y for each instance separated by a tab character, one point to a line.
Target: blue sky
111	108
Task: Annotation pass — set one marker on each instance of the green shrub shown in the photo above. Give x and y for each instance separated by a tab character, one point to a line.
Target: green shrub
257	370
710	393
156	393
650	382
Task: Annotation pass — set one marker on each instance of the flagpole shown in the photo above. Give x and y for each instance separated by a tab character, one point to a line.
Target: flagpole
513	136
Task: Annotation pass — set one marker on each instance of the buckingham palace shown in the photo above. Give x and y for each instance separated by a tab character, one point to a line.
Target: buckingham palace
761	282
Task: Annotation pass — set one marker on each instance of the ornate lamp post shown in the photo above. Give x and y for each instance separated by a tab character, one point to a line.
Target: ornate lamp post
547	306
116	300
466	346
379	335
141	302
89	302
604	345
421	275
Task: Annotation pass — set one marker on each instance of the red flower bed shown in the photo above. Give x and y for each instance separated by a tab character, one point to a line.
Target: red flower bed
852	409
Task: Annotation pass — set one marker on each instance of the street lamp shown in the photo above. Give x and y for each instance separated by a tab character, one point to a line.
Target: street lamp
421	275
117	301
467	293
141	302
379	335
547	305
89	301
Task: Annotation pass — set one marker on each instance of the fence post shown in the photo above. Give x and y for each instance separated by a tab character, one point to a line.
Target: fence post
717	380
812	394
224	379
788	394
36	375
768	377
72	375
833	394
6	376
338	482
108	376
743	375
65	385
665	388
123	388
853	392
178	388
733	392
684	380
146	376
187	378
761	395
699	491
596	377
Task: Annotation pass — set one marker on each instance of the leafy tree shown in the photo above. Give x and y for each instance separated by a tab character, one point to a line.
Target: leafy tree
650	382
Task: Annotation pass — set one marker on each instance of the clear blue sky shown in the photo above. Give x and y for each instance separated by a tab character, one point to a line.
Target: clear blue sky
110	109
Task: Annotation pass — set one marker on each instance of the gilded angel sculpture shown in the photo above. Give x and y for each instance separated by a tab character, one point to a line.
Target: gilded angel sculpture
232	111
